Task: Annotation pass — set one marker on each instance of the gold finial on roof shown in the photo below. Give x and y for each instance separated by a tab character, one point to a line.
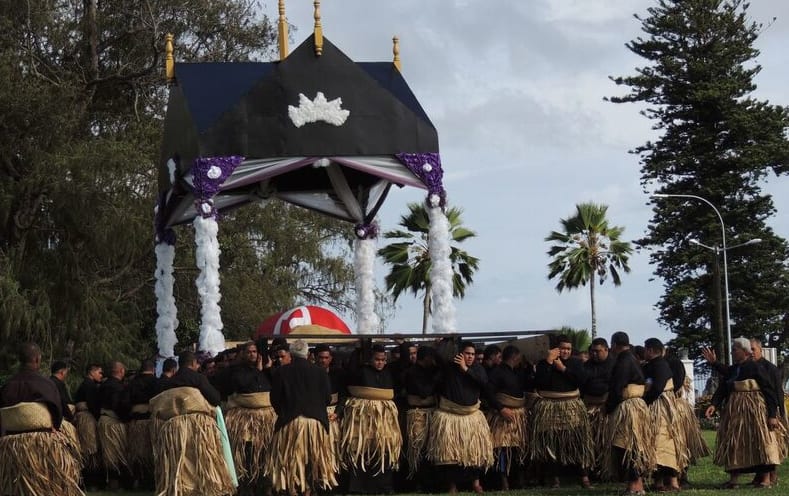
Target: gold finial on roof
318	29
396	52
283	31
169	59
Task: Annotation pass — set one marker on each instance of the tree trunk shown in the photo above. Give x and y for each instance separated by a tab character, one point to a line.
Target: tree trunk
426	310
594	313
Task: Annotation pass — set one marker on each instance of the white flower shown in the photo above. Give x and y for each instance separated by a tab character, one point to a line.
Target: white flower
330	112
214	172
206	208
427	167
434	200
321	162
360	233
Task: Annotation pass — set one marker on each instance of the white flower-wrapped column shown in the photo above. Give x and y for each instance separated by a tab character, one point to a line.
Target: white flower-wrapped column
367	321
427	167
441	273
167	319
208	176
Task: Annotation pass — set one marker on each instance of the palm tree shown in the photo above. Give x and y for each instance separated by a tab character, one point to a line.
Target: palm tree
586	248
409	258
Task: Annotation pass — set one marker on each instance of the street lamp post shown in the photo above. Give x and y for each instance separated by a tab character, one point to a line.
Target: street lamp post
725	265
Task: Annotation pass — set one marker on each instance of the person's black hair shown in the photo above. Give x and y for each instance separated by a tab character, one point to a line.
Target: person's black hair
620	338
147	365
638	351
491	351
187	358
321	348
599	342
58	365
170	365
509	352
425	351
378	348
467	344
28	352
561	338
91	367
654	344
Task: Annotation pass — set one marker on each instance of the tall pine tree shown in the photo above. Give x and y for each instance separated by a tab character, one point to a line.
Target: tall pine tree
720	143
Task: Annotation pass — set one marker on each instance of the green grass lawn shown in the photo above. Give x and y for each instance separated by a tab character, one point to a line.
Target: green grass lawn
705	478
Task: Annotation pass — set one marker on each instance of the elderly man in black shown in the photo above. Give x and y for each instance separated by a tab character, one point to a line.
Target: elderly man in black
632	451
371	438
560	431
302	456
250	417
460	441
670	440
750	436
35	457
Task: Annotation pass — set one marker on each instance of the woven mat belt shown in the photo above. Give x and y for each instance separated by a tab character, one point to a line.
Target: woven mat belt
590	400
633	391
110	414
140	408
746	386
556	395
249	400
419	402
669	385
510	401
452	407
370	393
26	417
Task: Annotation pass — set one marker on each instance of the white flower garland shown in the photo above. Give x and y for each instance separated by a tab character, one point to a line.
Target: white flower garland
167	321
367	322
207	254
441	271
316	110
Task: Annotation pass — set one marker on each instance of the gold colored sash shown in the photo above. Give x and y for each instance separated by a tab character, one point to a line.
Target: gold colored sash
249	400
746	386
510	401
452	407
370	393
555	395
419	402
633	391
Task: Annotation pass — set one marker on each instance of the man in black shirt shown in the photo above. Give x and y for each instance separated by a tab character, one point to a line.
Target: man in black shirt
188	443
113	426
250	417
632	451
372	454
594	392
421	389
560	431
142	388
750	436
670	441
301	456
509	434
60	371
35	456
460	440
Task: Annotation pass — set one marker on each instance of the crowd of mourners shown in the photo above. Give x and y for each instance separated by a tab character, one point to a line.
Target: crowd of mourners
283	418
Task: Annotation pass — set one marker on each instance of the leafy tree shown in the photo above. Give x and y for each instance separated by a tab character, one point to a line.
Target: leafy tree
588	248
82	100
720	143
410	262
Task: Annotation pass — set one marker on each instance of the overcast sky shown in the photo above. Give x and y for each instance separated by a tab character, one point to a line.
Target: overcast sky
515	90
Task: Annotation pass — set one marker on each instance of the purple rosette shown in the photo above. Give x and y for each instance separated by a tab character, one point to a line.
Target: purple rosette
209	173
427	167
